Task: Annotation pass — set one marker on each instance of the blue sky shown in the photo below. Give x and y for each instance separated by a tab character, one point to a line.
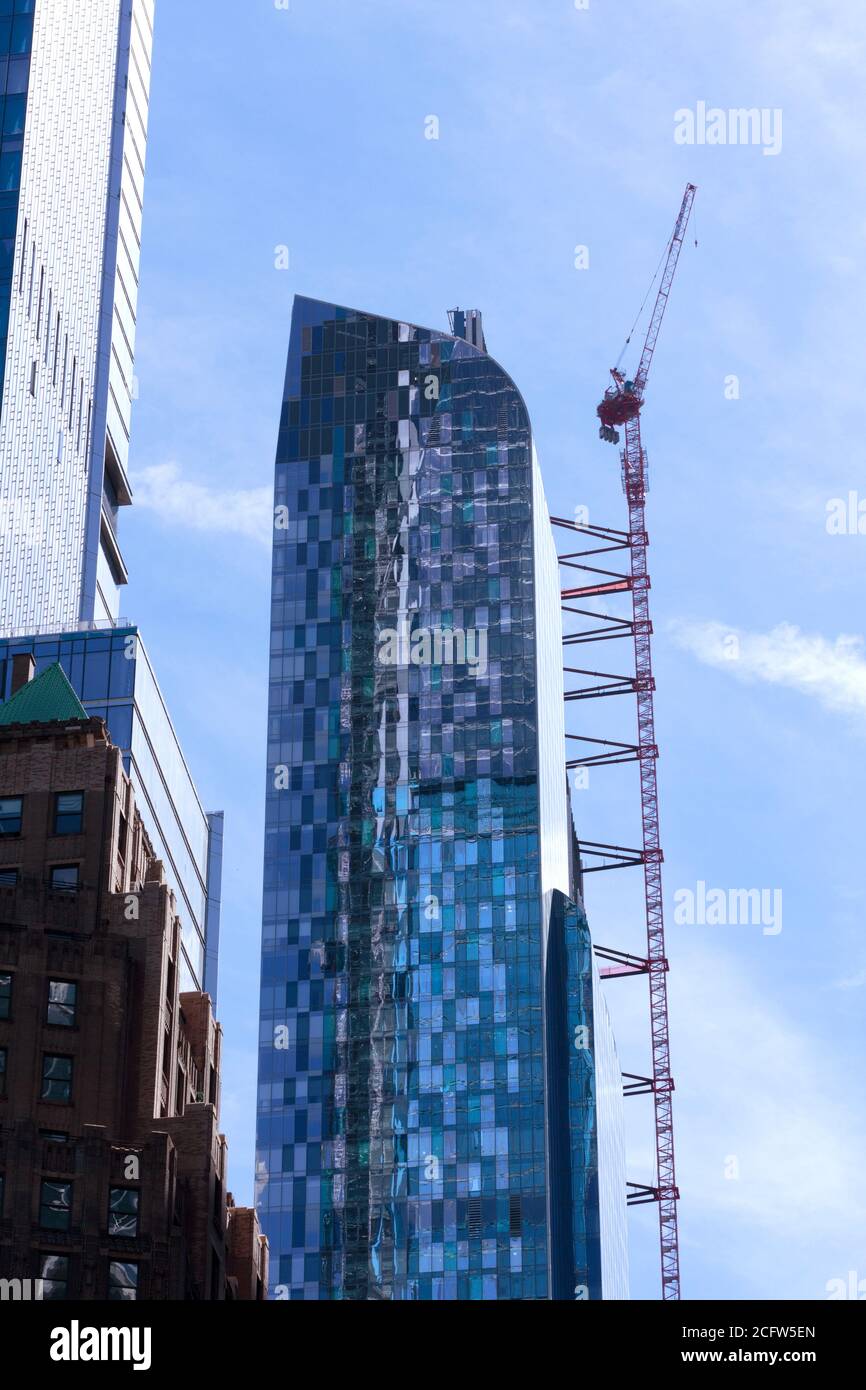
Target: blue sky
305	129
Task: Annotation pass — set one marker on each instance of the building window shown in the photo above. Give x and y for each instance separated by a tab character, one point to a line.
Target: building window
55	1206
122	1282
123	1211
69	813
3	1055
5	996
8	878
62	1003
64	878
54	1136
22	33
10	815
54	1273
57	1078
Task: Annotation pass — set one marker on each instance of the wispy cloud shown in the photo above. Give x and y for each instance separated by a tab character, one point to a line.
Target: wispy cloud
852	981
831	672
180	502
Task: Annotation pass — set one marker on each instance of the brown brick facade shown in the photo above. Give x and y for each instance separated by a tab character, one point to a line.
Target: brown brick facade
112	1167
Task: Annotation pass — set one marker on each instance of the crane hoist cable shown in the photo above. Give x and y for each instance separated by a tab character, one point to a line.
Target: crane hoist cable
648	293
662	260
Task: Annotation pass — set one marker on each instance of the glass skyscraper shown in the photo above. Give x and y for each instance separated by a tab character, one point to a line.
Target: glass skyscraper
74	98
439	1096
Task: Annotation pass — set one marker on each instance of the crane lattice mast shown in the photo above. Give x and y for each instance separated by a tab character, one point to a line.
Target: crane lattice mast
621	406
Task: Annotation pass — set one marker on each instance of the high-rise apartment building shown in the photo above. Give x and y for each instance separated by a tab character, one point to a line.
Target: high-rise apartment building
439	1097
72	160
77	82
113	1171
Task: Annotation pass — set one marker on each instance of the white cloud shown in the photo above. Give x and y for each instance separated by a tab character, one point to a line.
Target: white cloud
831	672
241	512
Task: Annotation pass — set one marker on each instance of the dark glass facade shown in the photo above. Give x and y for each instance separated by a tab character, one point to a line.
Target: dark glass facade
406	1137
16	43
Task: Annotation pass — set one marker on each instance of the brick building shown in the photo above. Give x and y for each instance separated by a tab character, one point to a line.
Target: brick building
112	1166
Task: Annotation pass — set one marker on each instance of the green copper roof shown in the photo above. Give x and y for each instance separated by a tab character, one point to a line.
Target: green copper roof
47	698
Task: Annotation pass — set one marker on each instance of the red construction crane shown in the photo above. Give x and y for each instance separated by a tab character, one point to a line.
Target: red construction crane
622	405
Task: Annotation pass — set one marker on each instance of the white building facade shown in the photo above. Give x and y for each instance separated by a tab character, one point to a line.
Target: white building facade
69	376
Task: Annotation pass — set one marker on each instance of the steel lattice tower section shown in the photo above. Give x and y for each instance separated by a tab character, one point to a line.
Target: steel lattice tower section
635	484
621	406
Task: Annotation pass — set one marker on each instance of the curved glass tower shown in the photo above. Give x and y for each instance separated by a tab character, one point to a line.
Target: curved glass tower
428	1124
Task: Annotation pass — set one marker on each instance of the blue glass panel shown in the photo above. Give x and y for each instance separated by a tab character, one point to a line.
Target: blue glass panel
403	1133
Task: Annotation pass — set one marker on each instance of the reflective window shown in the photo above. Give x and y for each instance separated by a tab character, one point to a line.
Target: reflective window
123	1211
55	1206
62	1003
56	1078
54	1273
10	170
5	995
13	115
69	813
21	36
65	878
122	1281
10	815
